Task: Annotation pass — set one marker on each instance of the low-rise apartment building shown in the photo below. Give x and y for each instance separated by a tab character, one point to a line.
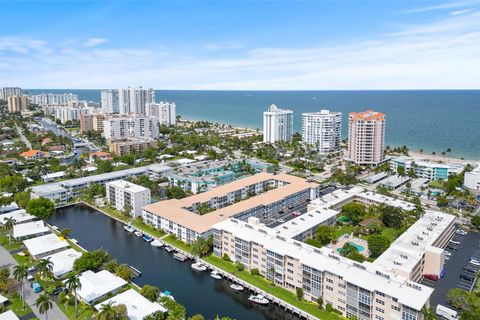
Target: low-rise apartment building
262	196
472	179
124	146
425	169
127	196
365	291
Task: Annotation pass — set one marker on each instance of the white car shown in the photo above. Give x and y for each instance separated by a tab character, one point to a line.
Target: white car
448	254
447	258
455	242
475	262
461	232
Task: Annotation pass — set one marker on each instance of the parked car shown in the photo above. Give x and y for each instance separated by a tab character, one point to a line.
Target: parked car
452	247
467	277
475	262
432	277
37	287
461	232
454	242
469	270
32	269
281	220
447	253
58	290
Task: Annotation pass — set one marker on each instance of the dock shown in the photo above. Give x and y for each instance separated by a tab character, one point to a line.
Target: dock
136	272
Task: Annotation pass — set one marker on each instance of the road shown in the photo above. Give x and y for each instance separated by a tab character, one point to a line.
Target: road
7	261
23	138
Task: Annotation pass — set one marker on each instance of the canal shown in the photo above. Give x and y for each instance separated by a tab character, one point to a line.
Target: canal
198	292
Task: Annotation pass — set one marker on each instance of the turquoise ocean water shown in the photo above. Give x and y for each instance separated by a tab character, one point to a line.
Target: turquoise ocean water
428	120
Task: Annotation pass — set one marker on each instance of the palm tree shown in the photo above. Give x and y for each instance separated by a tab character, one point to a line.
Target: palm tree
20	272
421	152
449	151
434	153
73	284
9	223
45	267
443	154
44	304
107	311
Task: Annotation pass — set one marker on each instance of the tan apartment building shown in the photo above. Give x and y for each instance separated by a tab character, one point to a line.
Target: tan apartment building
124	146
91	122
366	137
262	196
17	103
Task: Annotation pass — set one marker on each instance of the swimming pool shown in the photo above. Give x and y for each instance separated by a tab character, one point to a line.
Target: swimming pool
359	247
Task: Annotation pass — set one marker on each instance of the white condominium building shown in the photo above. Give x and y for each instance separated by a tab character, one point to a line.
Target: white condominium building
135	100
366	137
17	103
45	99
6	92
65	114
130	127
110	101
472	179
322	130
277	124
165	112
126	196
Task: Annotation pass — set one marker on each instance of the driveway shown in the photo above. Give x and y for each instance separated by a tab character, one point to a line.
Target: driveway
7	261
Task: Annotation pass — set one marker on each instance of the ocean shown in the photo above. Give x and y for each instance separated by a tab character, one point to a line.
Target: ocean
432	120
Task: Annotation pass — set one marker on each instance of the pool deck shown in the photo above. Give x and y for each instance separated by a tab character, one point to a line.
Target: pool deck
350	238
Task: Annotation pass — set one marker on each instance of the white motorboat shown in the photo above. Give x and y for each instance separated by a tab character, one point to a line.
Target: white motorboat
179	256
168	249
236	287
198	266
138	234
260	299
216	275
167	294
156	243
128	228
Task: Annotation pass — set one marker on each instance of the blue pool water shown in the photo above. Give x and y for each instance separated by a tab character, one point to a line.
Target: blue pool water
359	247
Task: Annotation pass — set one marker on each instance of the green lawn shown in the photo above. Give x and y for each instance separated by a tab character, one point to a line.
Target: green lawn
177	243
84	312
147	228
15	244
16	305
390	233
279	292
22	259
116	214
436	184
344	229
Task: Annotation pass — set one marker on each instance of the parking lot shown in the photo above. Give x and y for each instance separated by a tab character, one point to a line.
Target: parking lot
459	271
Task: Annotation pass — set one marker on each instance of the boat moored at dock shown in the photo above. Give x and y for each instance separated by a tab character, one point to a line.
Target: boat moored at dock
216	275
259	299
198	266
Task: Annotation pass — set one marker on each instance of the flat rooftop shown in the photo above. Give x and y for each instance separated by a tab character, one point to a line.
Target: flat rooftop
9	315
63	261
365	275
127	186
96	285
304	222
174	210
408	249
29	229
19	216
394	181
138	307
43	244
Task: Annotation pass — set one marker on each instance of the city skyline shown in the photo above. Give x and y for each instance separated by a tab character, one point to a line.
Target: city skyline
240	46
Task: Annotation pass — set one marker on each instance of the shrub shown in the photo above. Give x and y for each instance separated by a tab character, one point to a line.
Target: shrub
255	272
226	257
328	307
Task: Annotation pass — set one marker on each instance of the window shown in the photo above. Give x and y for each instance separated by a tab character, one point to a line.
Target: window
378	317
329	288
380	302
395	308
379	310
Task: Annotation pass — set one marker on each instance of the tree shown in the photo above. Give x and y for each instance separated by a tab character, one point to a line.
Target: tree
9	223
324	234
239	266
65	232
175	311
44	303
158	315
354	211
442	201
202	246
107	312
124	272
299	292
20	272
111	266
196	317
41	208
22	198
45	267
475	221
320	302
104	166
391	217
4	275
91	260
377	244
12	183
150	292
73	284
175	193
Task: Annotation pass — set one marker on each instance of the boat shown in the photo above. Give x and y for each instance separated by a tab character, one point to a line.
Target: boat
147	238
168	249
167	294
128	228
138	234
198	266
216	275
258	298
156	243
179	256
236	287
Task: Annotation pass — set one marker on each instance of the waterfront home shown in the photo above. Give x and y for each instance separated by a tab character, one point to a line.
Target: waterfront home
63	261
95	286
29	230
9	207
52	176
33	154
138	307
45	245
20	216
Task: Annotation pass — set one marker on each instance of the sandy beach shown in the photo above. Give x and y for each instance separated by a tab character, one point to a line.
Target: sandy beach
440	158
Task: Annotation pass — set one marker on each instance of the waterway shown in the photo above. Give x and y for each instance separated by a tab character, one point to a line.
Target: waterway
198	292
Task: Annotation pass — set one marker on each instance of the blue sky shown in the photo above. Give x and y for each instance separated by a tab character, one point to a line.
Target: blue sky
237	45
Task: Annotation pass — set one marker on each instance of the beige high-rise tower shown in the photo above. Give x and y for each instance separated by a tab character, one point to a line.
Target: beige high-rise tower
366	137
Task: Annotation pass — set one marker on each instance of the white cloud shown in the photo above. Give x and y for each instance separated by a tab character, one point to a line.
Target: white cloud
226	46
442	6
93	42
458	12
440	55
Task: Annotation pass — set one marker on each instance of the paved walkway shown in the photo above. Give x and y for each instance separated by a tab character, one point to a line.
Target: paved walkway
23	138
7	261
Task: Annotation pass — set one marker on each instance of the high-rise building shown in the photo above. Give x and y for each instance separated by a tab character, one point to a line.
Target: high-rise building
65	114
277	124
110	102
133	100
130	127
17	103
366	137
322	130
126	196
10	92
165	112
55	99
86	122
